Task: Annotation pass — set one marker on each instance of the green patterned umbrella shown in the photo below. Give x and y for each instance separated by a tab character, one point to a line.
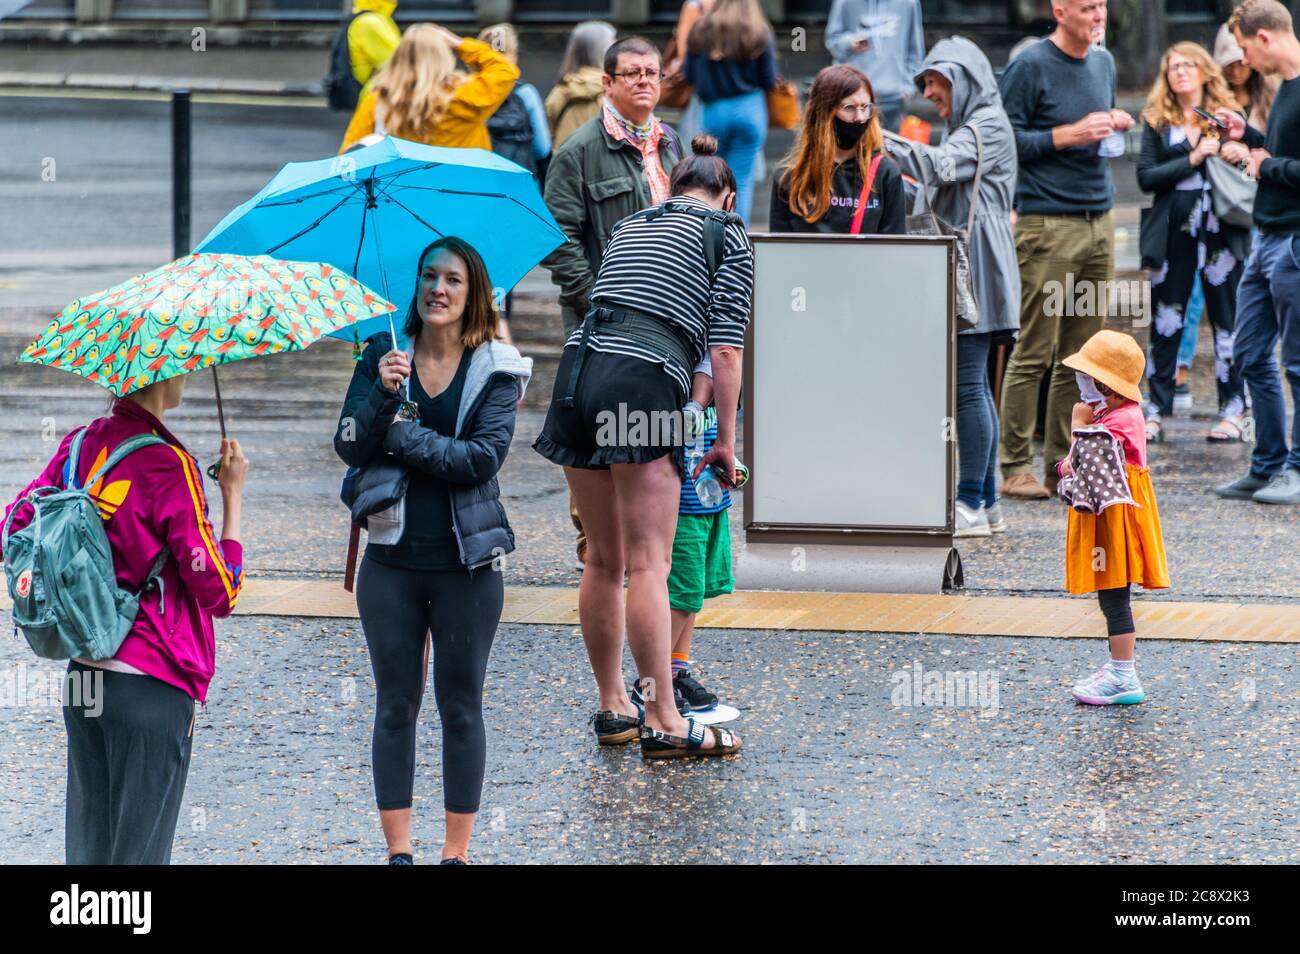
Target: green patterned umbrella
198	312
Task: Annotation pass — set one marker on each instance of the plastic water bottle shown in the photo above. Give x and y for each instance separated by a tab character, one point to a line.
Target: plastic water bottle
707	487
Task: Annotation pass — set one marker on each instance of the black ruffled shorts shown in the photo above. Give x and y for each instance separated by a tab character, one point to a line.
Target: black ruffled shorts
625	411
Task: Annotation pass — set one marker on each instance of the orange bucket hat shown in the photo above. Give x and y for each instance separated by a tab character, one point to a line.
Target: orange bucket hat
1114	359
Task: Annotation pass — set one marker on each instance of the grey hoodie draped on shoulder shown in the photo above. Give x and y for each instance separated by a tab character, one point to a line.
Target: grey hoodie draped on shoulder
950	169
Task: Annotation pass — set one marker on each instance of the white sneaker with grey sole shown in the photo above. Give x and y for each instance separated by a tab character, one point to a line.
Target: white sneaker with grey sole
971	523
997	522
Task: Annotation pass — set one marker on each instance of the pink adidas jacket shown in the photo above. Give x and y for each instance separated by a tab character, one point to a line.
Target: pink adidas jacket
153	500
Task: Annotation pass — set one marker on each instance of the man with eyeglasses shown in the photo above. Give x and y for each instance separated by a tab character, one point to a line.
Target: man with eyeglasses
1060	97
616	164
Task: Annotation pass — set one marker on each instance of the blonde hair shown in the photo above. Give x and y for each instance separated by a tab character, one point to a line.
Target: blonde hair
415	86
1163	108
502	38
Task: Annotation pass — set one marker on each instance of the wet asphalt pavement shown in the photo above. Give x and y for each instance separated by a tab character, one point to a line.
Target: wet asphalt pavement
832	769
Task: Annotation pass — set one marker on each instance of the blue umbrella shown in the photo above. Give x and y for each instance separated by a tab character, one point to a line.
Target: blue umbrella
372	211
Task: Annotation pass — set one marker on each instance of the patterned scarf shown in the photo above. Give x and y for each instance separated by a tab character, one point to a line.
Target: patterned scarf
646	141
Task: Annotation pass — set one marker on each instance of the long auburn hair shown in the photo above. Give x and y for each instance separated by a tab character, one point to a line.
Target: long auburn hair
1163	109
810	164
733	30
480	318
416	85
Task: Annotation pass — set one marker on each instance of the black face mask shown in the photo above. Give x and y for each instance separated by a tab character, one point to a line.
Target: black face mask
847	135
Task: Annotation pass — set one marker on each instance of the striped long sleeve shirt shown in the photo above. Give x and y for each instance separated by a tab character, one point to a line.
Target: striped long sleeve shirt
657	266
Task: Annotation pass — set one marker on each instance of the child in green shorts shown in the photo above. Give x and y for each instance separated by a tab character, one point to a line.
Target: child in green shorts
701	567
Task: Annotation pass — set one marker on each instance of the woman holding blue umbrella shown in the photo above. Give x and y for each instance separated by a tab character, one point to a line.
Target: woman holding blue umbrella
445	411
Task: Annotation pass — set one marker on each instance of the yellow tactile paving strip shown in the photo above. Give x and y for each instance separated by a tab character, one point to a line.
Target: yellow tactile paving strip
848	612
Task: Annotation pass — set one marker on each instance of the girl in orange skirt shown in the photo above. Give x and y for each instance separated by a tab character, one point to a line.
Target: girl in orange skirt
1106	552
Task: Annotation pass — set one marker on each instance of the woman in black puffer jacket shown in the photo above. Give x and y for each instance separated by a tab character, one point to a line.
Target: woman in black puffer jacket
445	410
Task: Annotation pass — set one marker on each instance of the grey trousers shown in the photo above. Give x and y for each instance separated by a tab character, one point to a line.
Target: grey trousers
128	758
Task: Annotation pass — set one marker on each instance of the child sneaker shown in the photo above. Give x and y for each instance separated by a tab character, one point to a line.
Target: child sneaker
697	697
1109	687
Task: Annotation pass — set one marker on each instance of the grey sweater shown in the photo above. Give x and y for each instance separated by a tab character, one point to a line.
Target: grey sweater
1044	88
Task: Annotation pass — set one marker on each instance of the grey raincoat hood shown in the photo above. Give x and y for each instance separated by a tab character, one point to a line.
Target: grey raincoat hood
950	168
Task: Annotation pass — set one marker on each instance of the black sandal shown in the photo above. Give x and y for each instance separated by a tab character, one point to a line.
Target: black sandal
660	745
614	728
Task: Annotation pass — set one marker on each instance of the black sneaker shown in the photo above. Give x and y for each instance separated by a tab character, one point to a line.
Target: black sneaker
697	697
614	728
682	706
401	858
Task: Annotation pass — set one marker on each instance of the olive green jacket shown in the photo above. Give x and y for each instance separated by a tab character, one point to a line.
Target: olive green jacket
592	183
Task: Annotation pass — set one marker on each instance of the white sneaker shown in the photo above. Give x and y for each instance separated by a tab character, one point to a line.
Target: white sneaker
971	523
997	522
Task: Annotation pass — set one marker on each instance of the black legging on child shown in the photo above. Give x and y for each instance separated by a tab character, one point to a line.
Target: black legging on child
1117	609
462	609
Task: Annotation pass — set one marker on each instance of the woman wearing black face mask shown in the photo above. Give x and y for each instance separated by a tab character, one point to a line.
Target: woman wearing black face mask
837	177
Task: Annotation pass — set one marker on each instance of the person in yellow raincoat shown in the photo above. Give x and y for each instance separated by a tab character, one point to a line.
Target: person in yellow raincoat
1109	551
371	39
419	94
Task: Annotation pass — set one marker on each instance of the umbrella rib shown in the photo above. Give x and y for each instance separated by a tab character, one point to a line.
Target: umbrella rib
481	195
417	218
334	190
300	234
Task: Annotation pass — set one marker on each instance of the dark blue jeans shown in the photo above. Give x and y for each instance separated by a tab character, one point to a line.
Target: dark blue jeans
1268	308
977	424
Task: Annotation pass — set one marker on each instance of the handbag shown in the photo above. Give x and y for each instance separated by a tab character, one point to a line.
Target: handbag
926	222
782	105
1233	194
379	500
674	91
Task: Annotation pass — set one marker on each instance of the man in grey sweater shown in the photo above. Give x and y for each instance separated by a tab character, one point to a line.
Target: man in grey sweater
1060	97
882	38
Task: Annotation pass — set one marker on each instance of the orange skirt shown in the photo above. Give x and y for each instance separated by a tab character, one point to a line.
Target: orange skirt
1123	545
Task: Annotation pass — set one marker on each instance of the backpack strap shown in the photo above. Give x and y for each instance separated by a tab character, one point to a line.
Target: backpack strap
74	455
125	449
715	228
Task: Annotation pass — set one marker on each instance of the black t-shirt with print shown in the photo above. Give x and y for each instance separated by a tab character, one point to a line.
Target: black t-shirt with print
886	206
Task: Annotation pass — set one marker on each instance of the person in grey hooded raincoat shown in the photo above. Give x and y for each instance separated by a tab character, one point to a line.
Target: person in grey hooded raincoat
957	77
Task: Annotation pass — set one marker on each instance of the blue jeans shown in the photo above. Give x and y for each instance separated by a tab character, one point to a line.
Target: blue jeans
977	424
1268	309
740	126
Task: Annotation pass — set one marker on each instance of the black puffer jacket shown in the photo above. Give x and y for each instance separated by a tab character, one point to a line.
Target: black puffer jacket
468	462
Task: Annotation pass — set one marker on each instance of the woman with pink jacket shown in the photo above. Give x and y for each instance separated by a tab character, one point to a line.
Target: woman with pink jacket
131	726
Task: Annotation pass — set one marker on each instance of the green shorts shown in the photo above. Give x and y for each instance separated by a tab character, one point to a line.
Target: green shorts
701	566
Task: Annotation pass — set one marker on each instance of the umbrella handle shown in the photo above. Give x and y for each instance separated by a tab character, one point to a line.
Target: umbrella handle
221	414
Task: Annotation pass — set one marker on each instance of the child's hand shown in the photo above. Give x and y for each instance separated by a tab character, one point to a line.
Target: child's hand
1082	415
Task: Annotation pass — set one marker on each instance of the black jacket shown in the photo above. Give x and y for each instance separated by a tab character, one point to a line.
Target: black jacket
1159	170
468	462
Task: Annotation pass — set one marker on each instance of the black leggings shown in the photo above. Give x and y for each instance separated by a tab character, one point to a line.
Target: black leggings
462	609
1115	606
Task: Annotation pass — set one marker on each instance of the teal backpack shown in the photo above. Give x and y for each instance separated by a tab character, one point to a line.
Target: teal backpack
60	569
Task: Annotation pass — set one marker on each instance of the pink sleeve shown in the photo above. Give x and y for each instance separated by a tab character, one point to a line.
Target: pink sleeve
51	476
1128	424
211	570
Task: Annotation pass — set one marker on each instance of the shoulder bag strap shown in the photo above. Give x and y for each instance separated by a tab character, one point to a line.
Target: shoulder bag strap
856	227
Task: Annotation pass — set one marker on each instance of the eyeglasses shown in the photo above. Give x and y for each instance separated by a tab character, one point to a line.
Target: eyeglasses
865	111
635	76
1182	67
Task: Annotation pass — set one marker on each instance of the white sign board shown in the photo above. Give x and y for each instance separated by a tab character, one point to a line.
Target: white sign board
849	395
